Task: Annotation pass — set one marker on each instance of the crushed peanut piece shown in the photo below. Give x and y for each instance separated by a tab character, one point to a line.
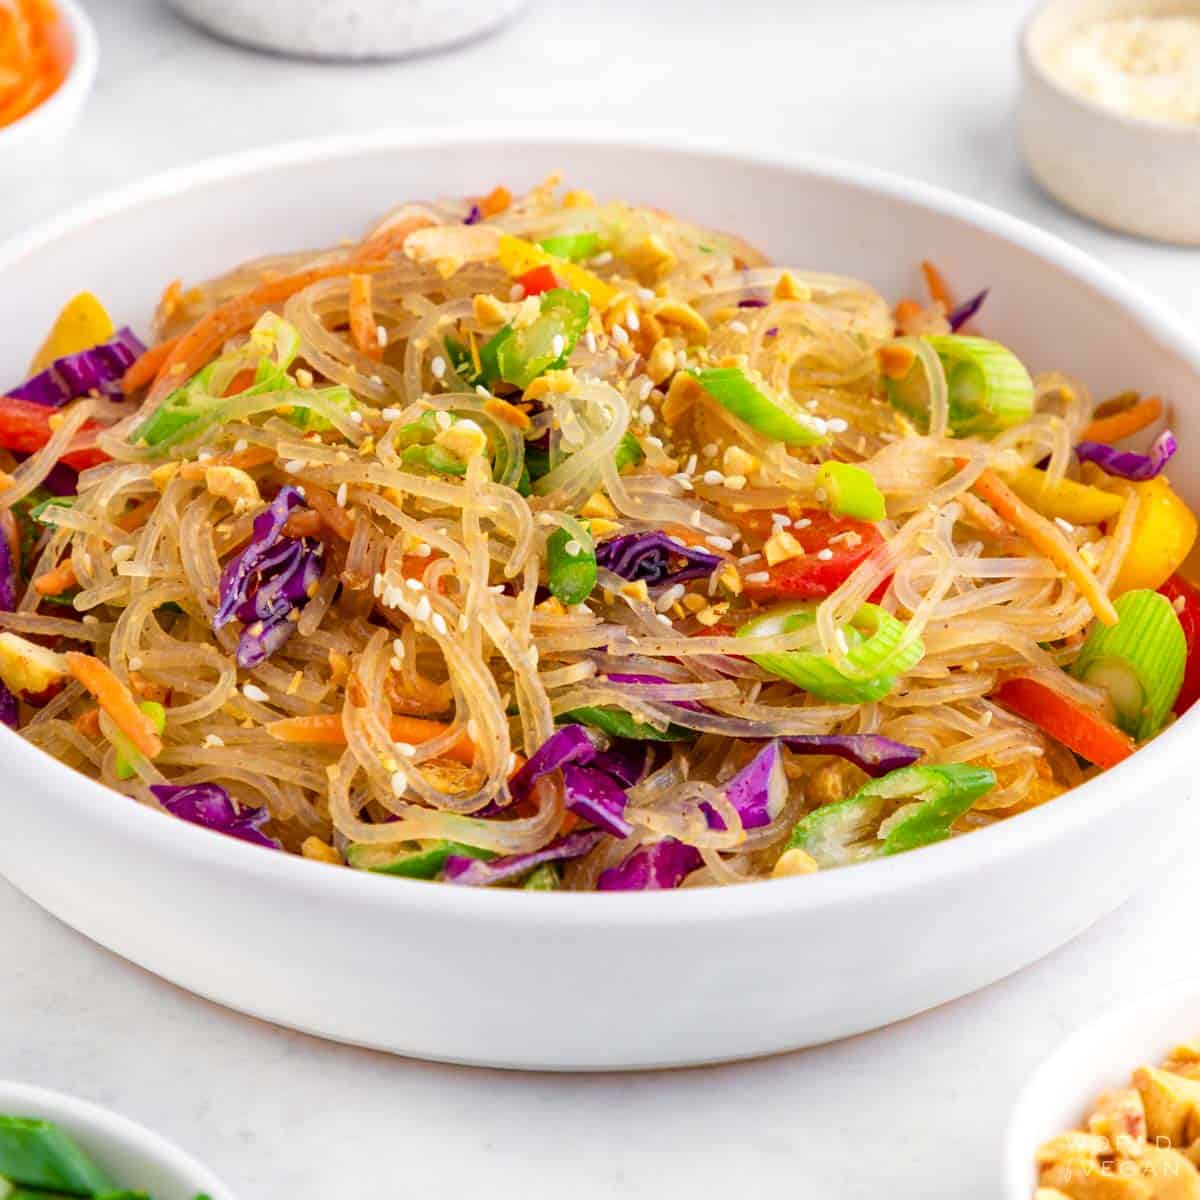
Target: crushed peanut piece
318	851
781	546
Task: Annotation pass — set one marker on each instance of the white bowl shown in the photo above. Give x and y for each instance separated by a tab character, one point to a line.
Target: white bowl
1130	173
29	143
1101	1055
130	1154
350	28
596	980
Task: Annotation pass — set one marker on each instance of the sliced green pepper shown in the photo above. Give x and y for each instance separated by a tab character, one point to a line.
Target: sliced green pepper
125	749
433	458
571	246
629	453
855	829
38	1154
873	653
776	417
544	879
572	576
424	861
617	722
850	491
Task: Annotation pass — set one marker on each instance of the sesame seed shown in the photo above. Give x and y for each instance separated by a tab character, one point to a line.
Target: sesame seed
516	293
399	783
748	558
422	550
645	295
662	617
557	345
398	647
713	478
1064	525
825	555
620	336
779	520
473	729
213	741
602	259
356	417
669	597
646	415
689	467
717	542
632	321
253	692
758	577
135	664
390	414
204	456
405	748
684	481
341	495
424	610
589	340
439	624
381	336
803	523
438	367
656	442
480	390
240	445
304	377
294	466
738	327
573	549
710	451
414	585
512	762
443	420
837	425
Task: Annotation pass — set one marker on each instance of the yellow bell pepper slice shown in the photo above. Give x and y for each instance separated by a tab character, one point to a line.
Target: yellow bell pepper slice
82	324
518	256
1164	532
1068	500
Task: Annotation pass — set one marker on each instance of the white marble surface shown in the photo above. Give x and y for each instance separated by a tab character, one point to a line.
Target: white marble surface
911	1113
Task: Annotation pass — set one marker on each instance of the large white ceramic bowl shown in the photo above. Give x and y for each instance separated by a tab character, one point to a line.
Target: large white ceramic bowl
1101	1055
28	144
524	979
130	1154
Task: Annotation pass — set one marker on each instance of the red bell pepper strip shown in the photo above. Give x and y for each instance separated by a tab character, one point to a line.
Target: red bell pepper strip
811	577
25	428
538	280
1078	728
1186	600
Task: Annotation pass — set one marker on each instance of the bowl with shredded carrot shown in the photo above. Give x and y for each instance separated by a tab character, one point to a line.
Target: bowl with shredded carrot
48	60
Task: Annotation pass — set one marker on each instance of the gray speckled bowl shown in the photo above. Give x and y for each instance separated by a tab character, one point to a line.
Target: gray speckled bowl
349	28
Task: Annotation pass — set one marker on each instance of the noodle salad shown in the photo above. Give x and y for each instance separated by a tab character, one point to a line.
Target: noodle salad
548	543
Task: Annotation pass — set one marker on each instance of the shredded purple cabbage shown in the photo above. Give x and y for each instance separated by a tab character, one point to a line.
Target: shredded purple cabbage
475	872
663	865
871	752
758	791
596	797
752	302
690	705
962	313
9	709
474	216
626	760
9	584
648	556
567	744
268	581
1126	464
62	480
209	804
99	369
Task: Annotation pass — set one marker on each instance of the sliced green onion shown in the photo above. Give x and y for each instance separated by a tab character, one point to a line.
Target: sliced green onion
1139	661
38	1154
544	879
571	246
876	653
41	512
420	860
126	752
617	722
629	453
774	416
989	388
572	576
859	828
519	356
850	491
433	458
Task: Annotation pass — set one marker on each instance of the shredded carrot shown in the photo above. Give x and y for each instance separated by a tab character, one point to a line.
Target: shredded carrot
896	361
391	239
244	460
209	334
302	522
510	414
939	290
116	700
1123	424
147	366
137	516
363	329
1044	536
241	381
325	729
57	580
88	723
32	58
907	311
495	202
332	513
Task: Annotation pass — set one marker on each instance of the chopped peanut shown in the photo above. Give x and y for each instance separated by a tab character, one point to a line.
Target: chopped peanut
318	851
464	439
598	505
490	311
233	484
780	547
163	475
636	591
794	862
737	461
651	258
684	316
788	289
661	362
683	393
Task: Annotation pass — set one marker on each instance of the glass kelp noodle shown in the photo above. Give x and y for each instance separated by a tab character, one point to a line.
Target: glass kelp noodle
551	543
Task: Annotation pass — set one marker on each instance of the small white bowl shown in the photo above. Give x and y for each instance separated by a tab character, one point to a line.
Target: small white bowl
358	29
1101	1055
130	1154
1136	175
31	141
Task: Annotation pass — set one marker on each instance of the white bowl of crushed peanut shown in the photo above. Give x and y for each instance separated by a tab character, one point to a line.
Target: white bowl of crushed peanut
1114	1112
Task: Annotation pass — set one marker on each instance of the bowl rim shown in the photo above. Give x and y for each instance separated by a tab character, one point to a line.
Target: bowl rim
1085	105
107	1125
710	906
73	90
1017	1156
